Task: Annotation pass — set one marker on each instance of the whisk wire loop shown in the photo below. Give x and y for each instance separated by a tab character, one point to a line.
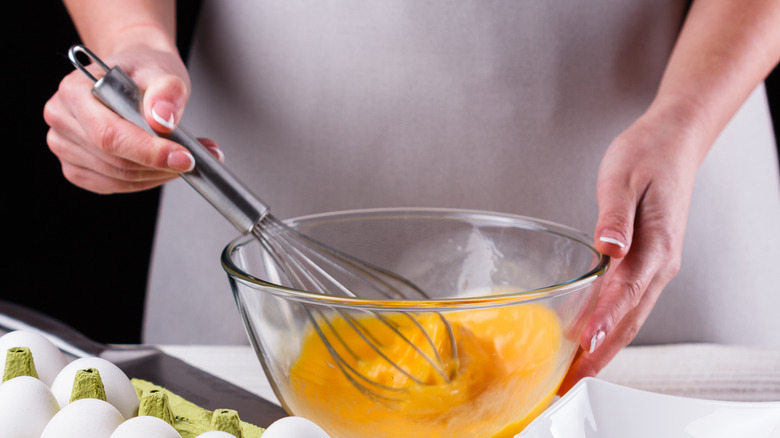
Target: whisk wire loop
365	385
310	265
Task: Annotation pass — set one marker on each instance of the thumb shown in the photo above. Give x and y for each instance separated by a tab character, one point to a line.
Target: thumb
164	101
615	226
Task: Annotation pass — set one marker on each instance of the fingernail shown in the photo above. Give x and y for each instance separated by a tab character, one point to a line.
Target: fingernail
218	152
596	340
181	160
169	122
612	241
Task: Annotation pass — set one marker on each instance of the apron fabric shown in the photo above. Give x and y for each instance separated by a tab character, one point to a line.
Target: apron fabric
492	105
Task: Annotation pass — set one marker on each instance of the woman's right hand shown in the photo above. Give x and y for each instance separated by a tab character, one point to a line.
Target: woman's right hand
104	153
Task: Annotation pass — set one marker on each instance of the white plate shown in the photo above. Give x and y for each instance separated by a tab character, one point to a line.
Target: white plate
597	409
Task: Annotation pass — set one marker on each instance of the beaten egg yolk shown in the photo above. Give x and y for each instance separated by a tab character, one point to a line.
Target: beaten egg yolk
505	373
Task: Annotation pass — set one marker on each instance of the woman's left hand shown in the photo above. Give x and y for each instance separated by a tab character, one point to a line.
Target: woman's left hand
644	189
645	182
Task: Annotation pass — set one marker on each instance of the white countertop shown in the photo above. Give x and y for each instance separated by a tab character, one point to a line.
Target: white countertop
716	372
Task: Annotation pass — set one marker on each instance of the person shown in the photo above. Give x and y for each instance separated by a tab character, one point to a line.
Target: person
603	116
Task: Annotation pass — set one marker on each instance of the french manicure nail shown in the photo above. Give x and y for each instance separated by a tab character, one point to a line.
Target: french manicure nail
218	152
612	241
167	123
181	160
596	340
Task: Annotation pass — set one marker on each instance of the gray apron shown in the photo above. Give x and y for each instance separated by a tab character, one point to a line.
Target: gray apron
496	105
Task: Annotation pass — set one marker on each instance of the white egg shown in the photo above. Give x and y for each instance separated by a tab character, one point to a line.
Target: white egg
26	406
85	418
48	359
145	426
119	389
216	434
294	427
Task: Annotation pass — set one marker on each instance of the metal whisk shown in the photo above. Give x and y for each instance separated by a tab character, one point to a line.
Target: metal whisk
304	262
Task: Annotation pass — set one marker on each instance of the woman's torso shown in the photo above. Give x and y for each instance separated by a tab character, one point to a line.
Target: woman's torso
499	105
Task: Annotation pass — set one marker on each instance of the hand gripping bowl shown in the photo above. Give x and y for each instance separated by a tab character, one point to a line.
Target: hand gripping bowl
515	293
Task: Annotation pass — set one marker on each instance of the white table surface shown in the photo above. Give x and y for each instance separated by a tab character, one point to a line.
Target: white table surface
715	372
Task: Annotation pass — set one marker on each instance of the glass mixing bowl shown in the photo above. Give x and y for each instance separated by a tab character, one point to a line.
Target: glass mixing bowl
511	292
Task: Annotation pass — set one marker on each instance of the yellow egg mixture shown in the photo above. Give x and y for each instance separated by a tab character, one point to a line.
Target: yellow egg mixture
504	376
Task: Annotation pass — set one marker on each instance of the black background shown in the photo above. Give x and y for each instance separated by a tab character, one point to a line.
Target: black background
75	255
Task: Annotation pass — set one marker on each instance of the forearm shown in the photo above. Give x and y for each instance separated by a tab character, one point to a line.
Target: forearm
110	26
726	48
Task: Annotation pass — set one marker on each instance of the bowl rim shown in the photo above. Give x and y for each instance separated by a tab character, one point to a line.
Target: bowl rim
237	274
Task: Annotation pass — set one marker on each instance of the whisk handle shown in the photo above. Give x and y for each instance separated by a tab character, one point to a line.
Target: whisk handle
210	178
